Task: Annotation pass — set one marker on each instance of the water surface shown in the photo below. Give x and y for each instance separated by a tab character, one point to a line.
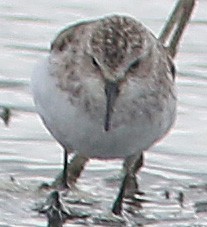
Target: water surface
29	155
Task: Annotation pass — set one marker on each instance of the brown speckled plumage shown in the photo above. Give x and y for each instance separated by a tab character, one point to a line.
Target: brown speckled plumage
116	33
107	90
115	42
90	57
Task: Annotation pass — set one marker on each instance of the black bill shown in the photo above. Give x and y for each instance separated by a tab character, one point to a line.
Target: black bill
112	91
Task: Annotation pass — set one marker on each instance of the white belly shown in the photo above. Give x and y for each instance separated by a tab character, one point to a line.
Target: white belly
75	130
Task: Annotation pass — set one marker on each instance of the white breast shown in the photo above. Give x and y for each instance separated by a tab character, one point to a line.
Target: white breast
75	130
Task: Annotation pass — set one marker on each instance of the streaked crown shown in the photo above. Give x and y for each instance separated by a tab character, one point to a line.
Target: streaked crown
115	38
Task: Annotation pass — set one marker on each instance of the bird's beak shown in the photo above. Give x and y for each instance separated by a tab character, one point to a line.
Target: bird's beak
112	91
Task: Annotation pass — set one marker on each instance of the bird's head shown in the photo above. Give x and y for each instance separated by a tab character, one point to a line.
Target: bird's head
117	44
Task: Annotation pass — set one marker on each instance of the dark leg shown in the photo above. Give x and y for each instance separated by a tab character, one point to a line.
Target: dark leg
128	181
138	164
65	170
75	168
71	171
132	163
132	185
117	207
61	181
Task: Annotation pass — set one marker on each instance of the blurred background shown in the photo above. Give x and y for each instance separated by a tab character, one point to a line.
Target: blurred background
29	155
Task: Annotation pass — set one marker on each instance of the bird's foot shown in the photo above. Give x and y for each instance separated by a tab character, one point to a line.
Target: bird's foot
56	210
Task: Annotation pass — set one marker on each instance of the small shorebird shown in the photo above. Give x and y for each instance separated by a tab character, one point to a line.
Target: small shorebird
107	90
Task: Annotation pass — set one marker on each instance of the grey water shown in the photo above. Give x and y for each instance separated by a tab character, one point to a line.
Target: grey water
30	156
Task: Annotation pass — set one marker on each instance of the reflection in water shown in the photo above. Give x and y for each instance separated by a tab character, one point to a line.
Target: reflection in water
29	156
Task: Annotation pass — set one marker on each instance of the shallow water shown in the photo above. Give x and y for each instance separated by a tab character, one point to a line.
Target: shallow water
29	155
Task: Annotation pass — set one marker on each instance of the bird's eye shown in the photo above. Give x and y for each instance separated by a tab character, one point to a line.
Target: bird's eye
134	65
95	63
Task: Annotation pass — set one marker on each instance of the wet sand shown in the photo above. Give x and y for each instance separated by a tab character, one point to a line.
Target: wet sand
174	177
